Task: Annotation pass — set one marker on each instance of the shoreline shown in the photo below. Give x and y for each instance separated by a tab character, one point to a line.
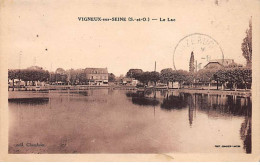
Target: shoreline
39	92
245	93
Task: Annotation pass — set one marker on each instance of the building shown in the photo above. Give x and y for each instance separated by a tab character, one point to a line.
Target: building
129	81
96	76
218	63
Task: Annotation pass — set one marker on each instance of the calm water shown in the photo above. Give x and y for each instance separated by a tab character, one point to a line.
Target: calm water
120	121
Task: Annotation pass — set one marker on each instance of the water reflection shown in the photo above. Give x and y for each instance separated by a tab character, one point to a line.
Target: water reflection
227	105
31	101
192	108
143	98
175	102
136	94
215	106
145	101
119	121
84	93
223	104
245	134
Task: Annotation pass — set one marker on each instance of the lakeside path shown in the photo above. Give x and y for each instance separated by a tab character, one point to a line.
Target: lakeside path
40	93
245	93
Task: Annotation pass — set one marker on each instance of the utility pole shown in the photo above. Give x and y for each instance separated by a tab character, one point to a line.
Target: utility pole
20	56
208	58
196	69
50	75
196	66
69	78
155	82
155	66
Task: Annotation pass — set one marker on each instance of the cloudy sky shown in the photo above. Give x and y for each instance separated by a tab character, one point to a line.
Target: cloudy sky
48	33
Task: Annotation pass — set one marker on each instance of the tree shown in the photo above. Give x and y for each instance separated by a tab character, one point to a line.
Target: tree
221	77
246	45
190	77
73	75
134	73
205	75
25	75
145	77
45	76
154	77
30	74
77	76
111	77
165	75
60	75
81	76
191	66
247	77
35	75
234	77
179	76
12	74
52	77
60	71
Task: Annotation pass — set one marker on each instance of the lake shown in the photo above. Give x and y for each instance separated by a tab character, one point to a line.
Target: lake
128	121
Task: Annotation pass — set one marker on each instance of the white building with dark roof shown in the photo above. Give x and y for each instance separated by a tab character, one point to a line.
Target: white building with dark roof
218	63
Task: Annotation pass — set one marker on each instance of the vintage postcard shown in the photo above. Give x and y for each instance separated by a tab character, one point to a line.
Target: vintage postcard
149	80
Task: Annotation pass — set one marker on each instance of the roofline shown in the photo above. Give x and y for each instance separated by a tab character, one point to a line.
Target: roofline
213	62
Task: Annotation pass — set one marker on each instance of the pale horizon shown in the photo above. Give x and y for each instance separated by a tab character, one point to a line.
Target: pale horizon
54	38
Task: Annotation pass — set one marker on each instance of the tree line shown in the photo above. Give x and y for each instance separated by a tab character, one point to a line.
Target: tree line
72	76
232	77
228	77
28	75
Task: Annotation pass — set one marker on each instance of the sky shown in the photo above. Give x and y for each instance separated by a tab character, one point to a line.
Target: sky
48	33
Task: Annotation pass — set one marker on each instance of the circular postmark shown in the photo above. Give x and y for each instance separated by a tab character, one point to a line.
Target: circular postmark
204	47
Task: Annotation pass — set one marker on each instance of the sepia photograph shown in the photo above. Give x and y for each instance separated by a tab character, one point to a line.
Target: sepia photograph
144	77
